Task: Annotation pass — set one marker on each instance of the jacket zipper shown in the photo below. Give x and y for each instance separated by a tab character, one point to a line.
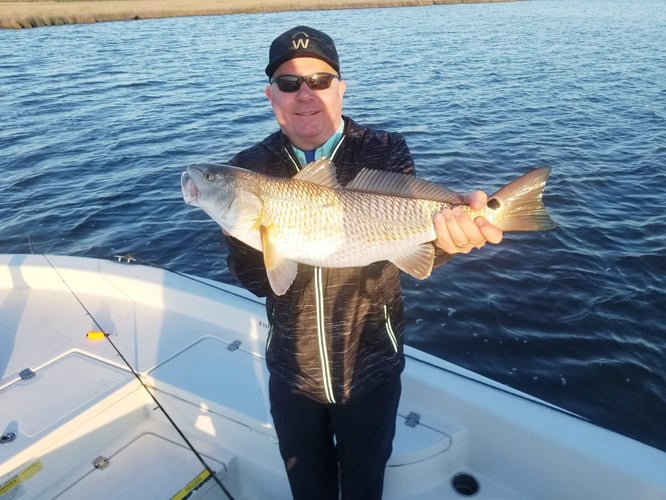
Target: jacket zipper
321	336
389	329
270	331
321	323
320	310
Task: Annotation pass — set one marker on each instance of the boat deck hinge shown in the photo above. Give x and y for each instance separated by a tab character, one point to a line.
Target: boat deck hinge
412	419
101	462
234	345
26	374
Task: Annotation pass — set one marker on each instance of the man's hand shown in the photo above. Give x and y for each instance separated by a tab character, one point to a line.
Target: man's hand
458	233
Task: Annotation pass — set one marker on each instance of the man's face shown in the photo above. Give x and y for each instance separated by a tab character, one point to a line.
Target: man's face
307	117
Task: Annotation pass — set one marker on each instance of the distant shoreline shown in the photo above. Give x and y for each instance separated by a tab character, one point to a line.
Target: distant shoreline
33	14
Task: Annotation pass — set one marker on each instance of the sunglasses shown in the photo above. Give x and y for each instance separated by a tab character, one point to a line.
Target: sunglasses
316	81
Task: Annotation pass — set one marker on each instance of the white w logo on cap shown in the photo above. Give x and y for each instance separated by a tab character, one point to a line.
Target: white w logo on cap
300	43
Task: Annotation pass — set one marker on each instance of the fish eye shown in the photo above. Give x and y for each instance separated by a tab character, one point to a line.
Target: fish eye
208	176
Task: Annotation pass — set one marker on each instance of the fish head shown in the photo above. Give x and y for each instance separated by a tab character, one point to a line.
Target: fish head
204	183
226	193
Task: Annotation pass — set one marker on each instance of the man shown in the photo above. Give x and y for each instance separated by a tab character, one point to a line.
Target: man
335	349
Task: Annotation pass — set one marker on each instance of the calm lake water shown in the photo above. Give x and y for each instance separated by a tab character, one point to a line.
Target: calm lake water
98	121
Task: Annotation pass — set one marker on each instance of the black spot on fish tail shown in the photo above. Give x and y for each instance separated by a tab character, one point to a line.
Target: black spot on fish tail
494	204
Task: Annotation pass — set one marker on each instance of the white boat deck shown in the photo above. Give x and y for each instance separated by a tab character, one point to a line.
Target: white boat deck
77	424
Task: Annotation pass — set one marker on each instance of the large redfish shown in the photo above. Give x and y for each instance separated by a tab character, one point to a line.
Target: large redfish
310	218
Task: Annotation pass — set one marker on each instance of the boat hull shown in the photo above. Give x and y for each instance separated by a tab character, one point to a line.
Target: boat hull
179	371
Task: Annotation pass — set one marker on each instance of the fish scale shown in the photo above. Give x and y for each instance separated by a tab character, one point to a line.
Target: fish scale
347	228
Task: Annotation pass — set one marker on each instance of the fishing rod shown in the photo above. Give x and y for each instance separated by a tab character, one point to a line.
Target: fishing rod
208	469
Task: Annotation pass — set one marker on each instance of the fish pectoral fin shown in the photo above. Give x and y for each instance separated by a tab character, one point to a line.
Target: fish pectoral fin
282	276
417	263
281	272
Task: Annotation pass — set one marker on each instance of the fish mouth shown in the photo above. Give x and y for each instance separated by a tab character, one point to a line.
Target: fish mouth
189	188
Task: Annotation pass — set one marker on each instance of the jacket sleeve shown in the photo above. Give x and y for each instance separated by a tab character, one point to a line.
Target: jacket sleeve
247	265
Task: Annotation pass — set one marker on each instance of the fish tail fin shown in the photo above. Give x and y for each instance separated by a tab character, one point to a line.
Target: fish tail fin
521	203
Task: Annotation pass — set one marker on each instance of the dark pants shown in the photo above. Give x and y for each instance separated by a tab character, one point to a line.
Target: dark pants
322	444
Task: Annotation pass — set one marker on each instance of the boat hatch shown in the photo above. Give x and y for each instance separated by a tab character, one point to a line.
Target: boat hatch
150	463
226	377
56	391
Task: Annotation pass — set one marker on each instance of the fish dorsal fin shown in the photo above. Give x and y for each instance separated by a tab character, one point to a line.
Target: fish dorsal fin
403	185
281	272
418	262
321	171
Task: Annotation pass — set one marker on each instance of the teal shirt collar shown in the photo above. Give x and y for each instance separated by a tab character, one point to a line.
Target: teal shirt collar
327	149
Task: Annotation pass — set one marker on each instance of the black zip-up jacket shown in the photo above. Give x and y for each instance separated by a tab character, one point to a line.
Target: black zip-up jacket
338	332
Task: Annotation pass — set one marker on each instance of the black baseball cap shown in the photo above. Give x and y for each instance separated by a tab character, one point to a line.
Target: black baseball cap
302	41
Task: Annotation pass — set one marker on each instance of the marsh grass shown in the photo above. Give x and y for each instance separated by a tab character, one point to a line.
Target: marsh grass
34	13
